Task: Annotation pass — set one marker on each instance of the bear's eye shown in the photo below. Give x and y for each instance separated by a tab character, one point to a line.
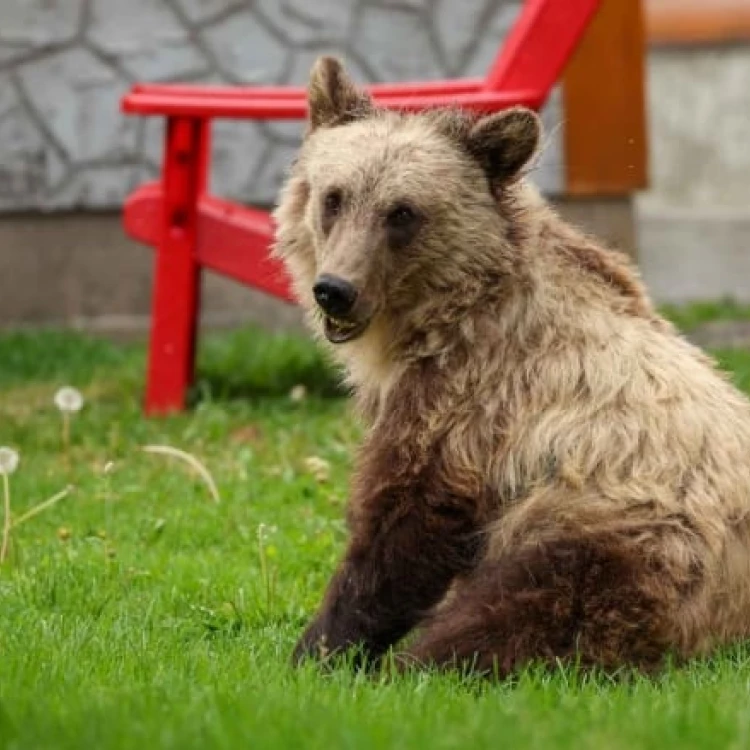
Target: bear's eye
403	223
401	217
332	204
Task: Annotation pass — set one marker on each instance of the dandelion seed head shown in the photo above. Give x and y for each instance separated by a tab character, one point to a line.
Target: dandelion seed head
8	460
298	394
69	399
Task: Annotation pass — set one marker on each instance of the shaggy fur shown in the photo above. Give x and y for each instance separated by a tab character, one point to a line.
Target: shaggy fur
550	471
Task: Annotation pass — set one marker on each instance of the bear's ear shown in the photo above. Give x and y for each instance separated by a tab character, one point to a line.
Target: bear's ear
332	97
504	143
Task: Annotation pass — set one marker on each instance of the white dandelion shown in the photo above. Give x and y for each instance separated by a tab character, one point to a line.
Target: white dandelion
298	394
8	464
69	401
8	461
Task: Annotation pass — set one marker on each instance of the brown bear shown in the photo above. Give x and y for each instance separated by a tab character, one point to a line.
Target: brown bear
550	471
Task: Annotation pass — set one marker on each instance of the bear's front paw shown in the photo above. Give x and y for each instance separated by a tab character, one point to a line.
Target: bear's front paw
327	641
312	645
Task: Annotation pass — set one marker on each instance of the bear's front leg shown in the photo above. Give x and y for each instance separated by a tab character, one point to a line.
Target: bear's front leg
407	545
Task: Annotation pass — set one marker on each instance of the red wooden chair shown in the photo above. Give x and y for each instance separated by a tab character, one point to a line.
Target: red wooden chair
192	230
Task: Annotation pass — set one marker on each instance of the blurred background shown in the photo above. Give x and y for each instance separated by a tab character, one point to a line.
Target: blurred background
649	133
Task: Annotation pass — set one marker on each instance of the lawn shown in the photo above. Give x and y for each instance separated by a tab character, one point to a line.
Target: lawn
139	613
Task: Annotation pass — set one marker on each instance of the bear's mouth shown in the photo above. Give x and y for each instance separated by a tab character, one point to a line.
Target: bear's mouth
339	331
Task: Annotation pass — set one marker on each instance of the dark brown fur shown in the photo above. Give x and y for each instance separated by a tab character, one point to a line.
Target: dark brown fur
587	600
413	530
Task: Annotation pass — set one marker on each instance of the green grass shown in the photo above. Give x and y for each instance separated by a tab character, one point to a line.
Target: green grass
137	613
689	317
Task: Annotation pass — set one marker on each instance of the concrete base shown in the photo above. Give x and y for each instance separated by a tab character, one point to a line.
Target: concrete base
79	270
610	219
691	255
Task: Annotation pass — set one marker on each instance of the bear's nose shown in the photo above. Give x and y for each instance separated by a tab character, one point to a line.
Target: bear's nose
335	296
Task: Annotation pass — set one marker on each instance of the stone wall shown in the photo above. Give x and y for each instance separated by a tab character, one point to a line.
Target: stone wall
64	64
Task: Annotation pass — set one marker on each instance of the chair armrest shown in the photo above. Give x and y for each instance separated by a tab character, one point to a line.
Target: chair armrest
413	88
235	107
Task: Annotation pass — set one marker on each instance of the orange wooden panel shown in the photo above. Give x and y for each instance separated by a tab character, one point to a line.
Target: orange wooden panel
604	109
697	21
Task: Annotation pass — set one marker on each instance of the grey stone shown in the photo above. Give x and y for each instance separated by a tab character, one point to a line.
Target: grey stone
152	146
419	6
172	61
8	97
29	178
273	171
12	50
74	87
237	151
458	25
99	187
245	50
489	43
136	26
23	174
199	11
28	25
29	166
78	98
303	22
288	132
396	45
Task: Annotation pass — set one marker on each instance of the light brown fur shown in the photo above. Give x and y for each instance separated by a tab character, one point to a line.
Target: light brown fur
550	399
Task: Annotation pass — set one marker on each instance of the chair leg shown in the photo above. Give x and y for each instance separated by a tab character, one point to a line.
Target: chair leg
176	294
173	333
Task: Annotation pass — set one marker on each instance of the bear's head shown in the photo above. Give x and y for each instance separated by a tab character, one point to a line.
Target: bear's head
385	210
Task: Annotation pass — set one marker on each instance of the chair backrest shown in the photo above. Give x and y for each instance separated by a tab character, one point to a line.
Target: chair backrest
539	44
